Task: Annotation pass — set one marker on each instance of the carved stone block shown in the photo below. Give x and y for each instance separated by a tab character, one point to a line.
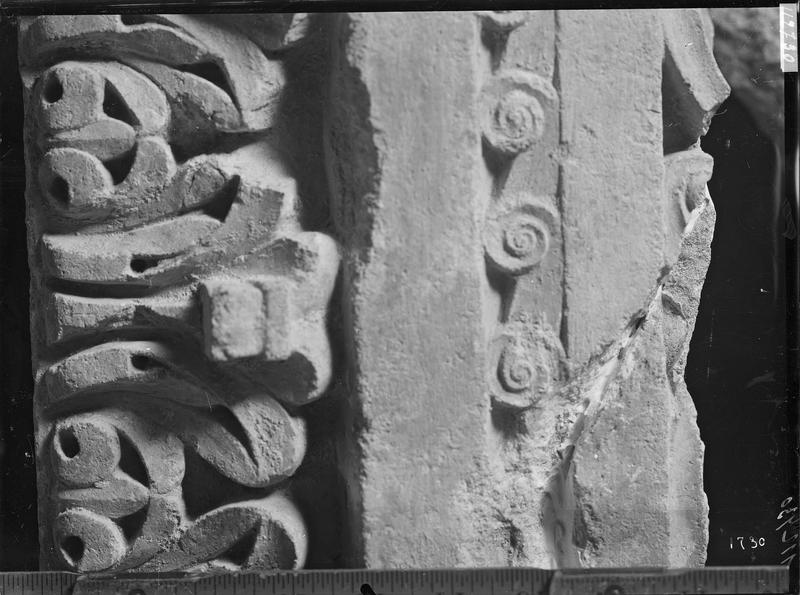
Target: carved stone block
520	202
542	418
177	299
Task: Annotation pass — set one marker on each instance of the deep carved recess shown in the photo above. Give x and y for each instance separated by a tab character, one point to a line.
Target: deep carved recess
179	306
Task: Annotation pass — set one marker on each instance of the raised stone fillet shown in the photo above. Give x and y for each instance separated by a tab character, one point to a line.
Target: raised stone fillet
178	306
525	251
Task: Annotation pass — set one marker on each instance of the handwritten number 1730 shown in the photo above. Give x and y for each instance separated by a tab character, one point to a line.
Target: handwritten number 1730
748	542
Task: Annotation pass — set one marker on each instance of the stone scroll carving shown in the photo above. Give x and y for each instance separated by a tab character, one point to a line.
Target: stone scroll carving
519	203
179	305
522	233
526	231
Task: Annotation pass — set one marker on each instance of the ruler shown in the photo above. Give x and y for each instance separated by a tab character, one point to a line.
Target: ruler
487	581
39	583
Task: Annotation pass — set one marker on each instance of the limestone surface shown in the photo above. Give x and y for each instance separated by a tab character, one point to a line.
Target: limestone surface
179	305
525	237
518	202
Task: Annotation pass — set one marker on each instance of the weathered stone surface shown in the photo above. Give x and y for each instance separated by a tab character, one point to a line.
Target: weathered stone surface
177	299
639	460
575	443
681	299
693	86
613	167
413	275
634	468
520	202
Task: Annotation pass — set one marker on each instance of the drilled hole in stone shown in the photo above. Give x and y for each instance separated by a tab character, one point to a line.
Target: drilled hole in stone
139	264
141	362
53	89
212	73
72	547
134	19
114	106
69	443
59	190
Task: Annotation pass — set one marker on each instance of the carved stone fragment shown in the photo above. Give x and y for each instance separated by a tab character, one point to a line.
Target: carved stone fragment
177	299
638	439
517	233
693	85
520	201
514	117
567	152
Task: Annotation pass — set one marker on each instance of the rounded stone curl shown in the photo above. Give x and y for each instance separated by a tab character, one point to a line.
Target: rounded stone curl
523	373
528	364
88	542
85	450
74	182
517	233
514	106
515	372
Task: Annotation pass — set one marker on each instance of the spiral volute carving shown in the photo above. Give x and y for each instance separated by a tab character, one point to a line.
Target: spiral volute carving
528	361
515	104
517	233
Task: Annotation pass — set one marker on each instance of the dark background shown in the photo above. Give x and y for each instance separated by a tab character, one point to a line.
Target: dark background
18	526
739	370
